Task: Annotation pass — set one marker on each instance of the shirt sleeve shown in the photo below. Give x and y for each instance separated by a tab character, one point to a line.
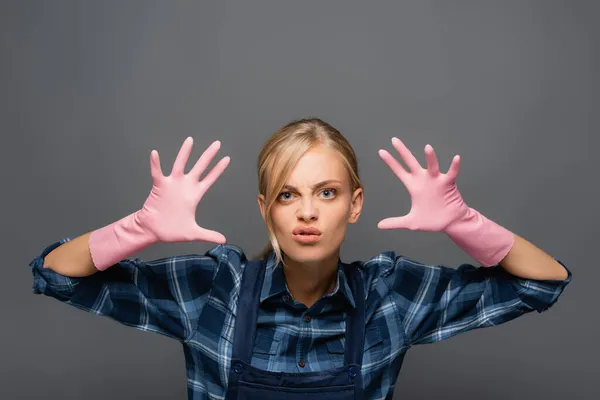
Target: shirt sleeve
437	302
164	296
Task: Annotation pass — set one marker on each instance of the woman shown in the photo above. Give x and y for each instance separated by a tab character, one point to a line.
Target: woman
298	322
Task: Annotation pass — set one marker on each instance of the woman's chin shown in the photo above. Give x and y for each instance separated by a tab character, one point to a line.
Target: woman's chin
306	254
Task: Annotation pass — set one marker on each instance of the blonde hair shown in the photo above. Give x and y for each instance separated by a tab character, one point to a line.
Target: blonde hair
280	154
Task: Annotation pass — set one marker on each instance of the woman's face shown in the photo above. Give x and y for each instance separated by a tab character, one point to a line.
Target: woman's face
317	195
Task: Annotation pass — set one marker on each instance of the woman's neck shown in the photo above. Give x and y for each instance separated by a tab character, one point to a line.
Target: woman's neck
309	282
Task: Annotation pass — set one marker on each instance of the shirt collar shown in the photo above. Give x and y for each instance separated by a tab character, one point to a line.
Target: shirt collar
274	282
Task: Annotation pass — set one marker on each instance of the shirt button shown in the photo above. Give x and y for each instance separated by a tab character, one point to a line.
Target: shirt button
301	363
307	318
238	368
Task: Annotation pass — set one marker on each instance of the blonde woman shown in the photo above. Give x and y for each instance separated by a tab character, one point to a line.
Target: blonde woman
299	323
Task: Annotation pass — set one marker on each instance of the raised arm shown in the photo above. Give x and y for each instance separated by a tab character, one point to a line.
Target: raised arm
438	206
94	271
168	215
437	302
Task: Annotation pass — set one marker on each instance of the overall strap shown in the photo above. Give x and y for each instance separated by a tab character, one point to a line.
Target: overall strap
247	310
355	322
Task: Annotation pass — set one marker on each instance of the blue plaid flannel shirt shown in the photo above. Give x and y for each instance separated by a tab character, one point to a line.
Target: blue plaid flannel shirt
192	298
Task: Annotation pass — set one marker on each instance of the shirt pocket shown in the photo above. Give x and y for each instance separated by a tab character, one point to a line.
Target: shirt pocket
266	344
335	350
373	347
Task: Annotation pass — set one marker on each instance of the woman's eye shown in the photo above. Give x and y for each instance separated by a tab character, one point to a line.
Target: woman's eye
328	193
282	195
331	192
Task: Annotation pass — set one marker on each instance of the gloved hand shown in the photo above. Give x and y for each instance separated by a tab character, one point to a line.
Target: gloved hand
438	206
168	214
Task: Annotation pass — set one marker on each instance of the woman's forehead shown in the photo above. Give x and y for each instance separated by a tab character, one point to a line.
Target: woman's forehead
316	165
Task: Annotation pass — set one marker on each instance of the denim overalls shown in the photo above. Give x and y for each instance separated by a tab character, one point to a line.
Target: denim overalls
249	383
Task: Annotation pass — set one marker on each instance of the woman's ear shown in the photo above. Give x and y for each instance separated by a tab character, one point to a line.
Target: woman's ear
261	205
356	206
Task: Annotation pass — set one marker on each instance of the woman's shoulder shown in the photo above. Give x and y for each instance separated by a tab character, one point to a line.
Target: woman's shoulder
227	250
227	254
388	262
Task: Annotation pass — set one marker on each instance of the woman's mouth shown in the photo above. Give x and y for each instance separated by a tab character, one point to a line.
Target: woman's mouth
306	238
306	234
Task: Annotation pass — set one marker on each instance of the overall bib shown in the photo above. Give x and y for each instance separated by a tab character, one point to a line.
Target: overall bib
249	383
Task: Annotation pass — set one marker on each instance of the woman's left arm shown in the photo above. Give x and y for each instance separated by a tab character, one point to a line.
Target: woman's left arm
438	206
437	302
527	261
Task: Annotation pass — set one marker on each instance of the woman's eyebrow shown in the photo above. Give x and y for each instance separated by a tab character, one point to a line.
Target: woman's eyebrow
315	186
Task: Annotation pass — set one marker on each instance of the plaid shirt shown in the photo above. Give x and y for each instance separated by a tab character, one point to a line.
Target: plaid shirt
193	298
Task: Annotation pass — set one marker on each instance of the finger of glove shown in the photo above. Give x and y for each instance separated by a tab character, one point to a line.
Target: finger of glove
396	222
454	169
394	165
433	166
204	160
208	235
213	175
182	157
407	156
155	168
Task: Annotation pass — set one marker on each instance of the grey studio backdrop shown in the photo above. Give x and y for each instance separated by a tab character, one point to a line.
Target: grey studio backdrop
88	89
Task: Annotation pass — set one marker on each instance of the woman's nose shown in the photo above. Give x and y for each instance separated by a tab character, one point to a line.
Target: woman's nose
307	211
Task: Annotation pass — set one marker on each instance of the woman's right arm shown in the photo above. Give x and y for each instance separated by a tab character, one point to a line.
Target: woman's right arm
93	271
164	296
72	258
168	215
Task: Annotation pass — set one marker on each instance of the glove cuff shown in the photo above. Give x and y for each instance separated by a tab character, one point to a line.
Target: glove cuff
117	241
484	240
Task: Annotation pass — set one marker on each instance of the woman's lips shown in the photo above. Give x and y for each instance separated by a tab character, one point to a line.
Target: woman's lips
306	230
306	239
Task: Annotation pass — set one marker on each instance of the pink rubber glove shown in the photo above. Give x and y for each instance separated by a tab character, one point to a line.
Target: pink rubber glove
437	206
169	213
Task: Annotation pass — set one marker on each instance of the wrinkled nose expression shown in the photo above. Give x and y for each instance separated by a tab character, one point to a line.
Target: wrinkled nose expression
310	215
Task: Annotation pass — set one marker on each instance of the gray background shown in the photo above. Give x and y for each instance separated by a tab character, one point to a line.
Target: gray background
88	89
